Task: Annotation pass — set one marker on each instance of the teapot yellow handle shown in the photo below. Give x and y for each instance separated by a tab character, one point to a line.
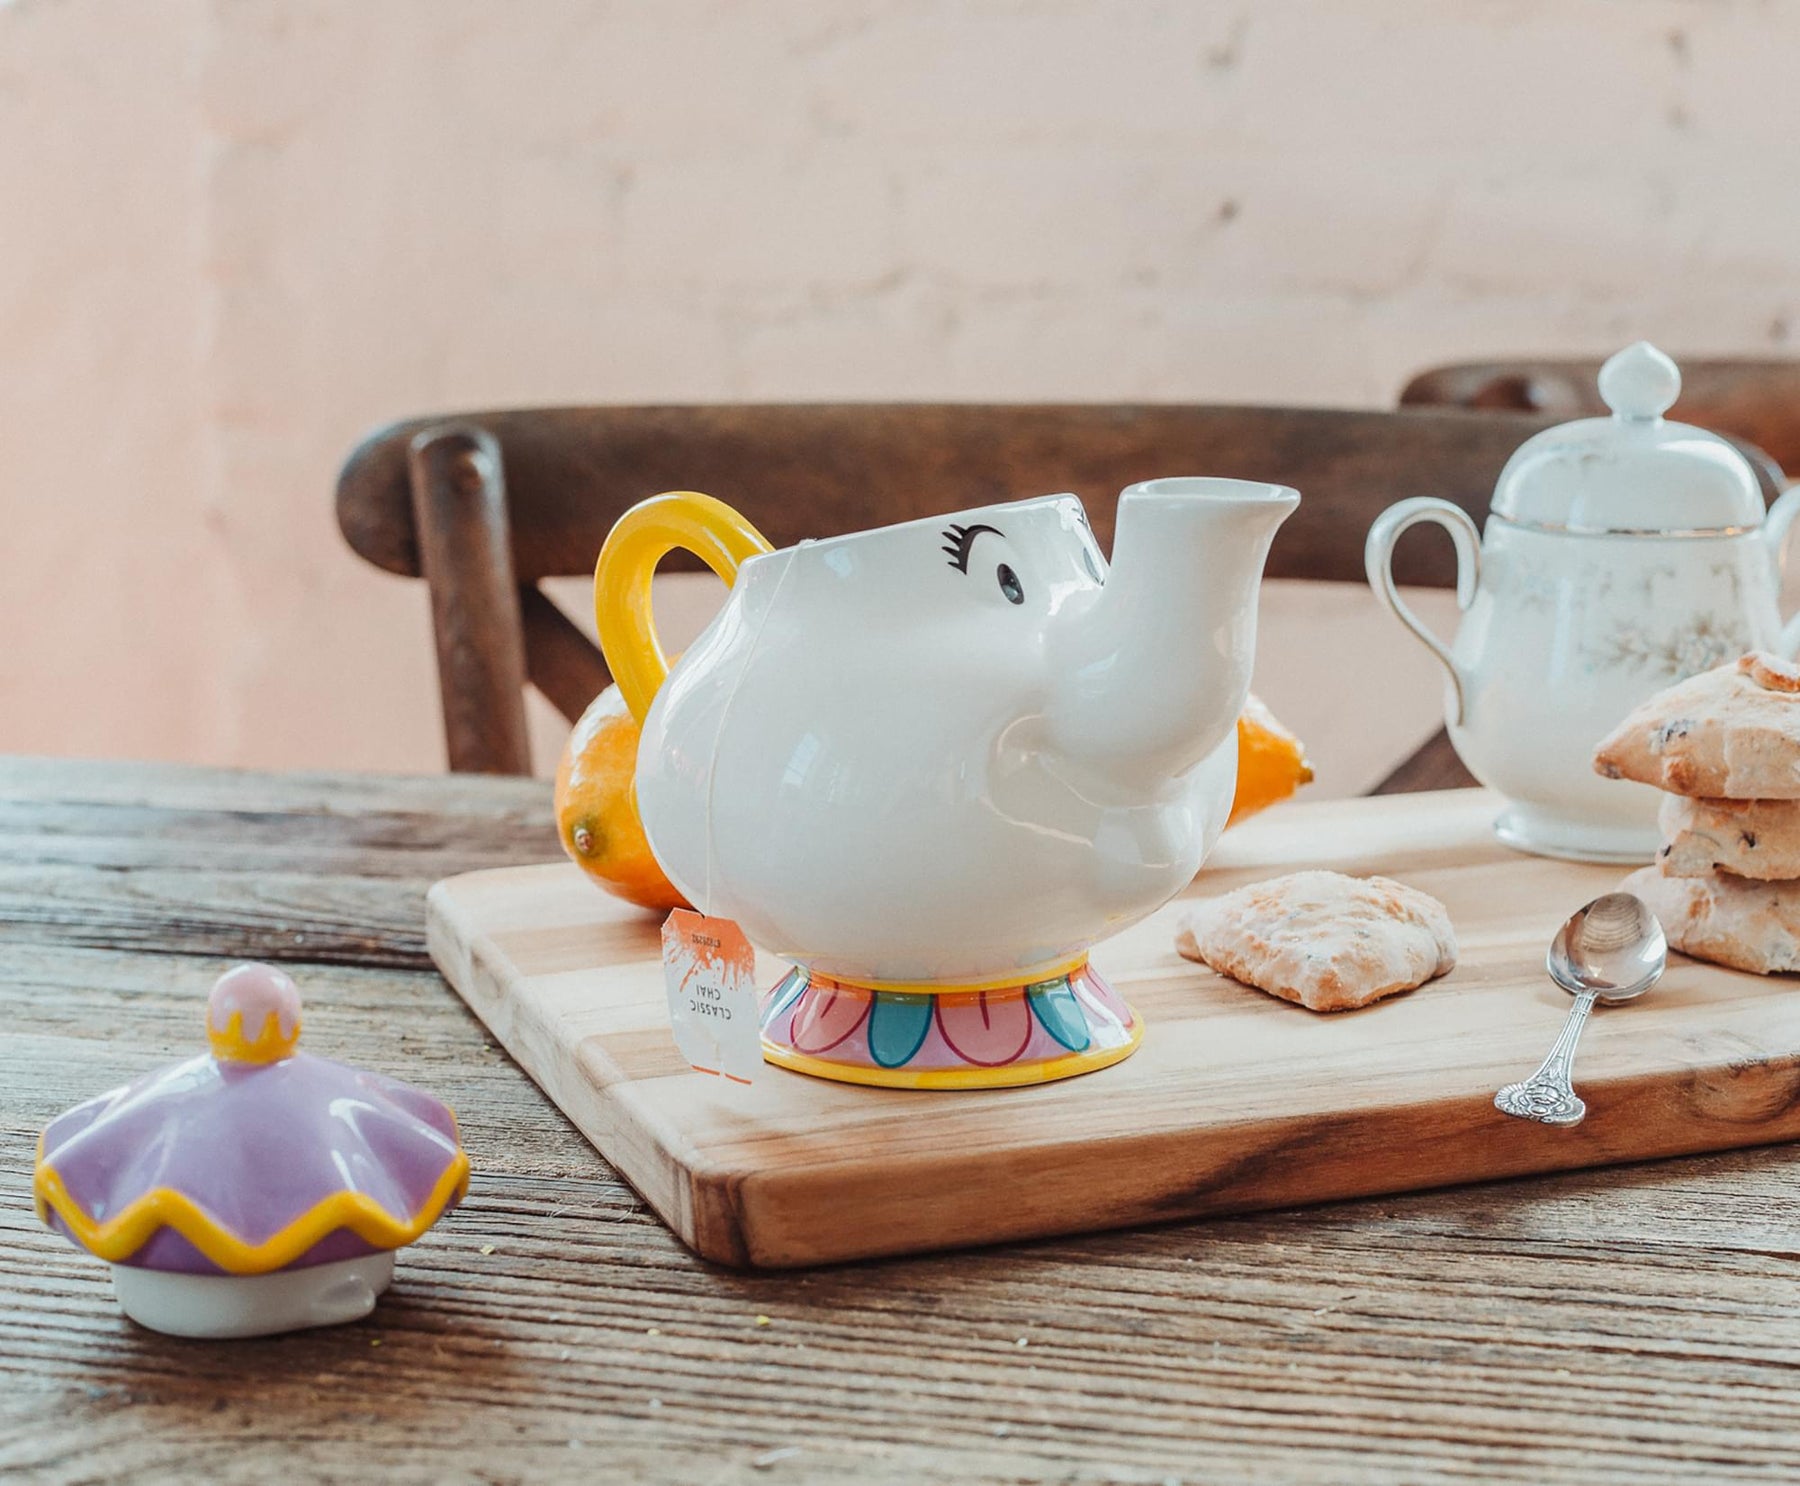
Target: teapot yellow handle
639	540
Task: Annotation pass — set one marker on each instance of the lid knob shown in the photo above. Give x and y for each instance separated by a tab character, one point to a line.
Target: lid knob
1640	382
253	1015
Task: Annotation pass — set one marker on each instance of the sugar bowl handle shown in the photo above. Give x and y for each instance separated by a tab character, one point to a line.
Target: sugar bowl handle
1776	527
1378	563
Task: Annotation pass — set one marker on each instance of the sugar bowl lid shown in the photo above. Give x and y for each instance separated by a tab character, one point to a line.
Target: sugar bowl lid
1635	472
253	1157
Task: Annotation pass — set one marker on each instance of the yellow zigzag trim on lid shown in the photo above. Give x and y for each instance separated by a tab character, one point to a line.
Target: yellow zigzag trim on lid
122	1235
270	1046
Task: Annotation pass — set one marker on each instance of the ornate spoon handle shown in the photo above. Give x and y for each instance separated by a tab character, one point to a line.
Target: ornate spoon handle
1548	1096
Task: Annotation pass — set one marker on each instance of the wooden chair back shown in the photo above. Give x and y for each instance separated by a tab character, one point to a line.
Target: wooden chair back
1756	401
485	505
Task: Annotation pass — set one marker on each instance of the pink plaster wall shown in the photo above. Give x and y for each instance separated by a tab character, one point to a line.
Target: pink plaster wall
237	234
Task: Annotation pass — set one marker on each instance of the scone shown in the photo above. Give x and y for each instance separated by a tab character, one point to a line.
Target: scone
1327	941
1729	733
1733	921
1752	838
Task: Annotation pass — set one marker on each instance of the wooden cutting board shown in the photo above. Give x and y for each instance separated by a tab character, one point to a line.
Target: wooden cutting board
1235	1101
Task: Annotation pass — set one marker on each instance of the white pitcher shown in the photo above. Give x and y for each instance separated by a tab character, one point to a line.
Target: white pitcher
1621	554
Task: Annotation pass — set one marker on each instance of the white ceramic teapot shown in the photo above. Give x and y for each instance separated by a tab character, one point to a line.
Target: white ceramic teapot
932	763
1621	554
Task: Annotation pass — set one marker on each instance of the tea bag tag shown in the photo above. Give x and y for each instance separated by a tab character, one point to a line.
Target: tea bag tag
710	972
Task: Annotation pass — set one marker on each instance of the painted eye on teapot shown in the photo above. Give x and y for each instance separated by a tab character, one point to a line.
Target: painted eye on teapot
960	540
1009	584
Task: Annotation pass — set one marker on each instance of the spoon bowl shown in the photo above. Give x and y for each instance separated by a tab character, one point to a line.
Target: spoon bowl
1611	950
1613	947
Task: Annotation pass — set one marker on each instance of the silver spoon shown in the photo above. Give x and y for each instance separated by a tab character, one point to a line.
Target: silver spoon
1612	950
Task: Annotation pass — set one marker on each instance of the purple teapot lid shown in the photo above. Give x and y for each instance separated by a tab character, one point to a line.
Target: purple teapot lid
253	1157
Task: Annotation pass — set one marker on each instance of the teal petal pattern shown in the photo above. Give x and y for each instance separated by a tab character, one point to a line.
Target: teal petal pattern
1060	1012
897	1027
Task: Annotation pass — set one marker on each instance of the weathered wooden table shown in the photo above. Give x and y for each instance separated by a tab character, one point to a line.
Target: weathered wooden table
1638	1325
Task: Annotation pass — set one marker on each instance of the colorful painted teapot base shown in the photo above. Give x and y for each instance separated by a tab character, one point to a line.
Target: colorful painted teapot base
232	1305
990	1037
1544	833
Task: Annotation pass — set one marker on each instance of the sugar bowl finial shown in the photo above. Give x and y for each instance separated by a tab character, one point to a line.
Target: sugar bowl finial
253	1015
1639	382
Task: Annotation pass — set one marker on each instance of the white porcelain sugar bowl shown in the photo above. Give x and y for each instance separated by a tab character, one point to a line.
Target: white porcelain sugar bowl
1621	554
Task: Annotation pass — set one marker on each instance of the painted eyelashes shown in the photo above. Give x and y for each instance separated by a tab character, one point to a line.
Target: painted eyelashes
959	539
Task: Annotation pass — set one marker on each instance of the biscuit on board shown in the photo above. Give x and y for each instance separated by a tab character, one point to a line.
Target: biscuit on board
1324	940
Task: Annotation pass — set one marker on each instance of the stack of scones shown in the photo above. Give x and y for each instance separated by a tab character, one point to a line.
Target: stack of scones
1726	746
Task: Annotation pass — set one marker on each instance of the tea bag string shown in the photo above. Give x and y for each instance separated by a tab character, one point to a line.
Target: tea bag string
712	770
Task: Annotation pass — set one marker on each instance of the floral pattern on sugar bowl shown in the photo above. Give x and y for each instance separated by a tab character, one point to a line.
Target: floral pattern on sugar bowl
1620	555
1620	593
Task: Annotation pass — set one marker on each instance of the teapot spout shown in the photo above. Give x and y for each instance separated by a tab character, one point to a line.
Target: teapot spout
1152	670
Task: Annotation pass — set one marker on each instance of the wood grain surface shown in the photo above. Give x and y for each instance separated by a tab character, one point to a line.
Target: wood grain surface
1634	1325
1235	1102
